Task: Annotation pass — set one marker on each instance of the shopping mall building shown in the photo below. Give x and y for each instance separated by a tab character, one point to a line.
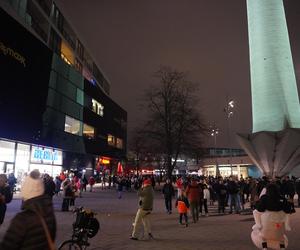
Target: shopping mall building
55	108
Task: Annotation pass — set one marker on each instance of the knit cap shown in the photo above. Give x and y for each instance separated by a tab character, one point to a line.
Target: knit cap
32	186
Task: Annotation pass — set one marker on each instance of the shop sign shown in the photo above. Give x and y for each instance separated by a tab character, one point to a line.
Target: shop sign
45	154
7	51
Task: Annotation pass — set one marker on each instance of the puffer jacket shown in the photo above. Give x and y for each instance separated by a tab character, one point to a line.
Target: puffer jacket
26	231
146	195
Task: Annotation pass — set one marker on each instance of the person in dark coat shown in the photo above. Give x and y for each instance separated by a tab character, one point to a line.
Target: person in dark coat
168	192
5	196
49	185
26	230
221	192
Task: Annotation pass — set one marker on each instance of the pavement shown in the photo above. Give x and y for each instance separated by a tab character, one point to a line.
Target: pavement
227	232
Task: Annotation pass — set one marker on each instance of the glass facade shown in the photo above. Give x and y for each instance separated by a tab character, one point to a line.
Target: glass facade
88	131
72	126
21	158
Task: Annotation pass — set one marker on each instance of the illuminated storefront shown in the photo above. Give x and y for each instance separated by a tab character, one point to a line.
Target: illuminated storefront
21	158
226	170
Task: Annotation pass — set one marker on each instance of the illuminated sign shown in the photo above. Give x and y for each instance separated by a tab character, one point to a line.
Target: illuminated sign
104	161
46	155
12	53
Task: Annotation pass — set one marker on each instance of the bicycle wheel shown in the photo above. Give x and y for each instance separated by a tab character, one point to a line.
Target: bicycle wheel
70	245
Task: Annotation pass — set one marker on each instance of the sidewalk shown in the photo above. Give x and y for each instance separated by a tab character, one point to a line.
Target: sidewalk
229	232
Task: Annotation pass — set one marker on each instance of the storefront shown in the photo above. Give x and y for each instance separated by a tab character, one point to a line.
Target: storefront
226	170
20	158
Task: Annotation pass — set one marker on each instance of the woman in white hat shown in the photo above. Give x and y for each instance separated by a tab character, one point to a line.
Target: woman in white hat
35	226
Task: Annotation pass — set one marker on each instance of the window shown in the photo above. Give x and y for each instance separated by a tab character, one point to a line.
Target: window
7	151
114	141
78	65
88	131
79	49
98	108
65	58
54	41
79	96
119	143
57	18
72	126
111	140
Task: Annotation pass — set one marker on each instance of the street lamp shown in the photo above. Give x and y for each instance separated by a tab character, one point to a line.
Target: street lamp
229	114
214	133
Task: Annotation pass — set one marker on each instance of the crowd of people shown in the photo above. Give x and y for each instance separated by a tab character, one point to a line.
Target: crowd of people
191	195
194	194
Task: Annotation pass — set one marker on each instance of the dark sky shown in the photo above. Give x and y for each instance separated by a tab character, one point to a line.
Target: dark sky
130	39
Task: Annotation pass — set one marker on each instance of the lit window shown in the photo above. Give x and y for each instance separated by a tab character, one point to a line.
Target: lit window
88	131
119	143
72	126
65	59
98	108
111	140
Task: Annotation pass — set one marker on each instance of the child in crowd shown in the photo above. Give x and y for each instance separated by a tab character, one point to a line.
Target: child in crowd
182	205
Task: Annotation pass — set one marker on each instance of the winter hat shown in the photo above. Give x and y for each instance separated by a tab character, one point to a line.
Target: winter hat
147	182
32	186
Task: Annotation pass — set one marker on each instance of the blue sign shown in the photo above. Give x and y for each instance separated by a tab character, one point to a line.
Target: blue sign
44	154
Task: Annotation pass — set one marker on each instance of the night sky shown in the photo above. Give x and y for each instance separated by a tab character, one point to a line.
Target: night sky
130	39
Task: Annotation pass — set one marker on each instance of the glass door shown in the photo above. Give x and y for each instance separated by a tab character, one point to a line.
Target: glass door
9	167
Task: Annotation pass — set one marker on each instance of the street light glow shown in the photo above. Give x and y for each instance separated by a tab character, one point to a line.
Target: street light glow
231	103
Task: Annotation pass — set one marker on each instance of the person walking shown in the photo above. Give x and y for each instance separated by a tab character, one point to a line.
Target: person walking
12	181
182	204
203	202
6	196
120	185
67	194
57	182
35	226
179	185
168	192
193	194
91	183
49	185
146	196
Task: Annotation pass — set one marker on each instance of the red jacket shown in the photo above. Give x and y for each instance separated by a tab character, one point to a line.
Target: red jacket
91	181
193	192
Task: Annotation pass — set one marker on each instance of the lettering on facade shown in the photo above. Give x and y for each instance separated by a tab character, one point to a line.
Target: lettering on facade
12	53
44	154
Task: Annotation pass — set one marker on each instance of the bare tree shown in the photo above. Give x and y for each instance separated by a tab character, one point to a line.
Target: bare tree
174	124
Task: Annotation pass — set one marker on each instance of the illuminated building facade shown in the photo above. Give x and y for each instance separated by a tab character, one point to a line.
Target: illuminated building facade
55	105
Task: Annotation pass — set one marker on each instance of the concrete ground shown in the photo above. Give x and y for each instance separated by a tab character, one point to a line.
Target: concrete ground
228	232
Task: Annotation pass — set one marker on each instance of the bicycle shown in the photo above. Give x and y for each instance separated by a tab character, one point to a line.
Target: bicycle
85	226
